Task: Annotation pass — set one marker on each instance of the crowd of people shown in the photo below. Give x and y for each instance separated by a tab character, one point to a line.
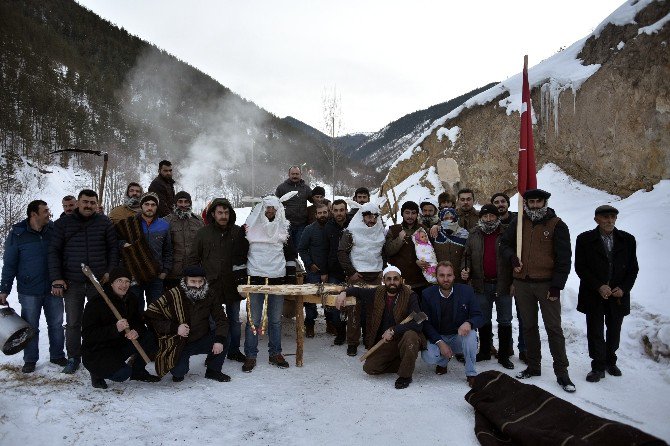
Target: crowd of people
172	275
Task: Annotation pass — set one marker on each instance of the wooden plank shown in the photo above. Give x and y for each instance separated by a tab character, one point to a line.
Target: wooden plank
328	300
297	290
299	330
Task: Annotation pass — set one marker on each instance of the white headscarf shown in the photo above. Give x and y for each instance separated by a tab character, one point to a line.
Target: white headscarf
368	241
260	229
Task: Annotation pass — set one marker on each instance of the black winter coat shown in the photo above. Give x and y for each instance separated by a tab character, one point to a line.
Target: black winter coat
313	247
102	344
77	240
333	236
592	267
296	207
165	191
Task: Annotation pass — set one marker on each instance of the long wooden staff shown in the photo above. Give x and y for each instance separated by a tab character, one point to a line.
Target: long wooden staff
382	341
88	273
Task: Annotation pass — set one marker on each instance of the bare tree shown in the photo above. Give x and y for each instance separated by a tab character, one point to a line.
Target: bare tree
332	119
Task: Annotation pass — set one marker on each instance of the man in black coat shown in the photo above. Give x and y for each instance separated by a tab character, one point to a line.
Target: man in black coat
163	186
606	263
83	237
105	345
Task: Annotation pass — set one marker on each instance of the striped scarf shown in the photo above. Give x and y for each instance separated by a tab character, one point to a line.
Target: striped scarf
169	306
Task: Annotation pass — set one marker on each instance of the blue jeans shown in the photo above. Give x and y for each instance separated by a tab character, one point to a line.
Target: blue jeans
234	330
274	310
458	344
503	304
200	347
152	290
31	309
296	234
311	312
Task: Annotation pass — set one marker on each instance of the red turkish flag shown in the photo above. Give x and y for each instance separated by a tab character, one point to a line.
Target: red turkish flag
526	173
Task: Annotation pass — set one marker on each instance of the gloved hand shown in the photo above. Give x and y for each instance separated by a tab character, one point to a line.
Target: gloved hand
290	275
240	276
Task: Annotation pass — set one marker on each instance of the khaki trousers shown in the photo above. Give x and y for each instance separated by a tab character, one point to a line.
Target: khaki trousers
395	356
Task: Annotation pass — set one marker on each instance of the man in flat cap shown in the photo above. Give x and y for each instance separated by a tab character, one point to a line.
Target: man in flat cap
606	263
539	276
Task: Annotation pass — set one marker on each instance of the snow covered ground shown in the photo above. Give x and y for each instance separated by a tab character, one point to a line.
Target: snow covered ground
330	400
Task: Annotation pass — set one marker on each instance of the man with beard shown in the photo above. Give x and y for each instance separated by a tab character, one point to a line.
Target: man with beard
501	201
130	206
105	345
361	255
313	250
271	261
181	318
25	259
163	187
147	249
388	305
539	276
467	215
333	232
400	249
606	263
184	224
453	316
221	249
361	196
296	206
491	277
318	198
83	237
69	203
429	211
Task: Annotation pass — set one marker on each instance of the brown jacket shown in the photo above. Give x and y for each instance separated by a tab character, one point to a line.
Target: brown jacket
183	233
474	260
467	220
121	213
402	254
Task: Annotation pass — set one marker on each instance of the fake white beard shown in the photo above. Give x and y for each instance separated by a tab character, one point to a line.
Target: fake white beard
194	294
535	214
488	226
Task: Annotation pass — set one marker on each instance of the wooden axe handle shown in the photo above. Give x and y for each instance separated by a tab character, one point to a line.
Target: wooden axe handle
87	272
381	341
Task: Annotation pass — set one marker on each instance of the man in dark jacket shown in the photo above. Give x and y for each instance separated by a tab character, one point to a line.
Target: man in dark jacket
467	214
313	250
105	344
296	207
181	318
333	232
25	258
152	265
318	198
163	187
387	305
400	249
184	225
539	276
221	249
491	277
84	237
453	316
606	263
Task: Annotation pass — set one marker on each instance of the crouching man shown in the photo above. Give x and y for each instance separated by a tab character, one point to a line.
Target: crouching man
105	344
453	315
387	305
180	318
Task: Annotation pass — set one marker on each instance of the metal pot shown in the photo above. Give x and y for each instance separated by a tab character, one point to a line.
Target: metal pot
15	333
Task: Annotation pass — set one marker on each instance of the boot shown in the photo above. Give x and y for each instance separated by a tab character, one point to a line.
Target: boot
330	328
98	382
505	339
485	333
341	336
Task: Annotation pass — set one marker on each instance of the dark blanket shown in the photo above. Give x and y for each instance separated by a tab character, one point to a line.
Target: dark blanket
508	412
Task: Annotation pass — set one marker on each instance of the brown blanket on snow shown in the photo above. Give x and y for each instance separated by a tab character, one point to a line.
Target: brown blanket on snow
508	412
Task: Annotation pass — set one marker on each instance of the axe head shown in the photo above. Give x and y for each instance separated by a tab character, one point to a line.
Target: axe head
419	317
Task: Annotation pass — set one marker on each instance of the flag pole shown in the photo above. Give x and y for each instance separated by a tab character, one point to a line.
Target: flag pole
519	220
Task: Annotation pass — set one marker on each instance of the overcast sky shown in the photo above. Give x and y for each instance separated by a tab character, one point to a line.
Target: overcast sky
385	58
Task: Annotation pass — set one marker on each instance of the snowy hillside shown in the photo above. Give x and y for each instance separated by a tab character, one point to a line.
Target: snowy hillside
330	400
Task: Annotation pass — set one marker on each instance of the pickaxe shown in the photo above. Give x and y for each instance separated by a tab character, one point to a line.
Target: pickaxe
414	316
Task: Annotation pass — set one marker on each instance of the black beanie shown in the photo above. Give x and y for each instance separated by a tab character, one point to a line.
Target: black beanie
182	194
318	190
119	272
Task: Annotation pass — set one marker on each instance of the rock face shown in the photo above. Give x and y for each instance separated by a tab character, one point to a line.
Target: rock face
613	133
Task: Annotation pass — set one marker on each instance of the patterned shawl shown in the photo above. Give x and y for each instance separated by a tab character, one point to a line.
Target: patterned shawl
168	309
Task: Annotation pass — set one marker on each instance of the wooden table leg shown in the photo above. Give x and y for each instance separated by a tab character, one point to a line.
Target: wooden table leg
299	330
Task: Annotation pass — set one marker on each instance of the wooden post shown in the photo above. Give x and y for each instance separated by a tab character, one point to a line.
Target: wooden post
299	330
519	220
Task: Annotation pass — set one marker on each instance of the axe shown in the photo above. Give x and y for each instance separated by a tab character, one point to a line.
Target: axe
414	316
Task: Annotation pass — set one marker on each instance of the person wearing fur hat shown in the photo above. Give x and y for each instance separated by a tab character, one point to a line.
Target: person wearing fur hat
105	344
387	305
539	276
484	267
181	318
400	250
163	187
130	206
221	249
146	249
184	224
429	210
